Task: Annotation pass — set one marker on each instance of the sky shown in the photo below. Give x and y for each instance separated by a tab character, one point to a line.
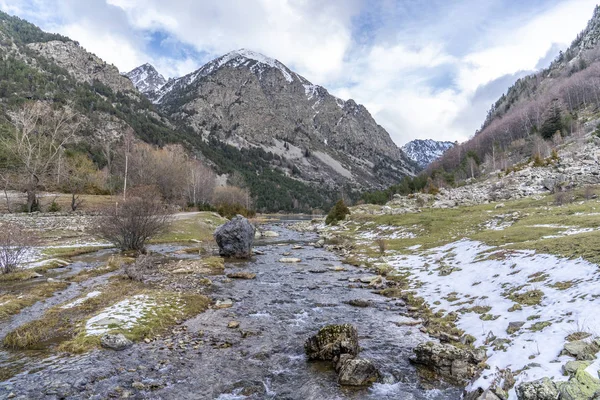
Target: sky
425	69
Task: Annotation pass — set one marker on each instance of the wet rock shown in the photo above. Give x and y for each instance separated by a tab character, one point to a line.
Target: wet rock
332	341
320	243
358	372
448	362
359	303
289	260
543	389
481	394
340	360
115	341
235	238
370	279
241	275
227	303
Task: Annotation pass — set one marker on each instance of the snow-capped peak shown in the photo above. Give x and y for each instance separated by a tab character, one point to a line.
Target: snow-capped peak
424	152
242	56
146	78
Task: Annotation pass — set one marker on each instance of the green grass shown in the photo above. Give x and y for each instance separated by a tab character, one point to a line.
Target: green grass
13	303
194	227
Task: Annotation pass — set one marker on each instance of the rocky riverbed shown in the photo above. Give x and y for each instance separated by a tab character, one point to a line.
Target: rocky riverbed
249	343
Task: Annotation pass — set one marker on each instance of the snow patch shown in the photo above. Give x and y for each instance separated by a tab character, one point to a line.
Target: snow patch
124	315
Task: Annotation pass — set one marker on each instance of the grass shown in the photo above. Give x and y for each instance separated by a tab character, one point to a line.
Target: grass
528	298
199	226
22	275
65	328
68	252
11	304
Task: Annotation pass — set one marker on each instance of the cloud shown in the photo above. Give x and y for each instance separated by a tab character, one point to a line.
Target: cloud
425	69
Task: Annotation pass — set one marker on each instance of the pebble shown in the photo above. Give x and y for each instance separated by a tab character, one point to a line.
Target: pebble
233	324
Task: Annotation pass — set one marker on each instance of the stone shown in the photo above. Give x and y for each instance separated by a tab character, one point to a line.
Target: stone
269	234
227	303
115	341
369	279
332	341
358	372
481	394
320	243
448	362
235	238
359	303
289	260
514	326
581	350
571	367
233	324
542	389
241	275
581	386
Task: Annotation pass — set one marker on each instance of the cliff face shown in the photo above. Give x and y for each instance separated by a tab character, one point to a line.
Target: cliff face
82	65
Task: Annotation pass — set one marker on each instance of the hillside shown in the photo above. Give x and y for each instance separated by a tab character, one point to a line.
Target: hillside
561	100
250	101
291	144
426	151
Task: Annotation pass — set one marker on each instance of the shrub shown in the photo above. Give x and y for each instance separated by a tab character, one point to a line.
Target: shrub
382	245
337	213
137	270
15	243
561	198
132	223
54	207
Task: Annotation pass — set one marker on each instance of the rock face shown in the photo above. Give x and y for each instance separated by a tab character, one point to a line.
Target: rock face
543	389
82	65
115	341
448	362
424	152
235	238
331	342
339	343
248	99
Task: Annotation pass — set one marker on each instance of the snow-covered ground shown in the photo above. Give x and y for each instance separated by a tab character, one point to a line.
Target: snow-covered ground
124	315
487	277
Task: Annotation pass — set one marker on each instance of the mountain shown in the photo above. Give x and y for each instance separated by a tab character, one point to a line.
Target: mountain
424	152
146	79
249	100
560	100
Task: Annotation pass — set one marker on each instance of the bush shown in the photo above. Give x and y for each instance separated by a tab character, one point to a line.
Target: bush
131	224
561	198
231	210
137	270
15	243
54	207
337	213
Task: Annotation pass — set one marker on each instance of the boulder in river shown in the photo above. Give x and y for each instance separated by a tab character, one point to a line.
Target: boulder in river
448	362
115	341
235	238
358	372
332	341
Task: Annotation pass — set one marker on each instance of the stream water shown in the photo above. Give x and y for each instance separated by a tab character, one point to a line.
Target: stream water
264	358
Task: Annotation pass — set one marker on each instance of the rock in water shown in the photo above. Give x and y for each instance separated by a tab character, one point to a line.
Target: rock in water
358	372
235	238
449	362
543	389
115	341
332	341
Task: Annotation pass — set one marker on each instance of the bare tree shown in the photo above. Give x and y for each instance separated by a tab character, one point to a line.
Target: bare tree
15	243
35	144
200	183
132	223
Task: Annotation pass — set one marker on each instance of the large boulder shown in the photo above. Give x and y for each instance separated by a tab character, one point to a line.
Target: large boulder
580	386
448	362
542	389
331	342
357	372
235	238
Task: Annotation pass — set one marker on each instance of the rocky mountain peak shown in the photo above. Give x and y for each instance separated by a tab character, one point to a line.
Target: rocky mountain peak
426	151
146	78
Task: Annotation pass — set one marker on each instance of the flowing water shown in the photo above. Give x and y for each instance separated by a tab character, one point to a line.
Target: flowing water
264	358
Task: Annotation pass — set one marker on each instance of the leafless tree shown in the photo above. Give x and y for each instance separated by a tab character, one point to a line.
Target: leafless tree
39	136
132	223
15	243
200	183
